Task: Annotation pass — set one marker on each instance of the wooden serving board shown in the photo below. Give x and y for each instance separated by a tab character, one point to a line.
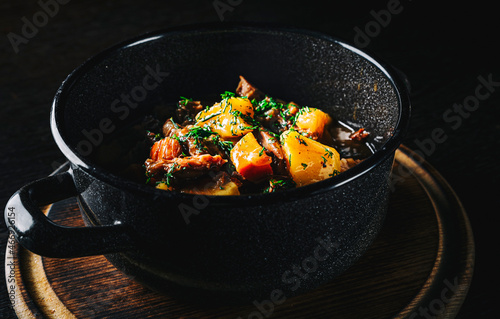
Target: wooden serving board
419	266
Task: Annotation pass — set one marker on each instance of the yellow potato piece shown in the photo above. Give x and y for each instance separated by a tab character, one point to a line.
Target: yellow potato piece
225	118
309	161
238	104
164	186
312	121
228	189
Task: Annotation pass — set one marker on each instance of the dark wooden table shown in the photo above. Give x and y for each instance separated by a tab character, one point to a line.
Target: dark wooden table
449	54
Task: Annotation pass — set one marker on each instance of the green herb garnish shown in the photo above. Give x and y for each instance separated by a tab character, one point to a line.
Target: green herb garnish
184	100
301	141
335	173
227	95
262	151
208	117
278	184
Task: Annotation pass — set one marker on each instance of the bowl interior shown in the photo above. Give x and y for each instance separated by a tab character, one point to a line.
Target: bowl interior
111	92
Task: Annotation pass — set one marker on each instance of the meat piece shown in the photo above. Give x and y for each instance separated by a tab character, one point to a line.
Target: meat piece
212	146
280	182
165	149
273	120
190	144
193	166
271	143
184	167
170	128
359	135
151	138
187	109
347	163
246	89
194	146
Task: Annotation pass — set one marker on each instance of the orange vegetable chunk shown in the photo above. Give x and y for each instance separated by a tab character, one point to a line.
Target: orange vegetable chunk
165	149
225	119
313	121
250	160
308	161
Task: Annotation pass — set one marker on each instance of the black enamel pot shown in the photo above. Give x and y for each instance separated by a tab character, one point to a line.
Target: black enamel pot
238	246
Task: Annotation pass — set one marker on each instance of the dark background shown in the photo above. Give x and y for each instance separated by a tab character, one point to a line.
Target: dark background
442	49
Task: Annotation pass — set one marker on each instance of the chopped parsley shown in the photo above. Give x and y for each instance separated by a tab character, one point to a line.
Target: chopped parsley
266	105
302	110
227	95
262	151
184	100
200	132
204	133
328	153
324	161
279	184
169	174
208	117
334	173
301	141
225	146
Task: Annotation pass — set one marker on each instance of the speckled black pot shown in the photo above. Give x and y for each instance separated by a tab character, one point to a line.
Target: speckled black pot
235	246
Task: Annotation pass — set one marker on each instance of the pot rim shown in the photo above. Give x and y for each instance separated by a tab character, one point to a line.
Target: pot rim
387	150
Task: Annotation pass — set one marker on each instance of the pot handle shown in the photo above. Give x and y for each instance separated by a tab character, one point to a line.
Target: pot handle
37	233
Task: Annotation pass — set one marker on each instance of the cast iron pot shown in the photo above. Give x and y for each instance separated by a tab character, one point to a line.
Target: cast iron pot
227	246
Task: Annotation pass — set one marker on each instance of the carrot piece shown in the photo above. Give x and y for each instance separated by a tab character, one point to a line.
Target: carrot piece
165	149
250	160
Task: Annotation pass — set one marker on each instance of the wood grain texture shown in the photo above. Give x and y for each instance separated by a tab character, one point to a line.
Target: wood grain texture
406	272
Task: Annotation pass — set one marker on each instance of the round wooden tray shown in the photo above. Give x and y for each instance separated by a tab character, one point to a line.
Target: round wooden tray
419	266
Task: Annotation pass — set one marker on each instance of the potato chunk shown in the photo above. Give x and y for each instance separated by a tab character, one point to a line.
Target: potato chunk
308	161
227	117
312	121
